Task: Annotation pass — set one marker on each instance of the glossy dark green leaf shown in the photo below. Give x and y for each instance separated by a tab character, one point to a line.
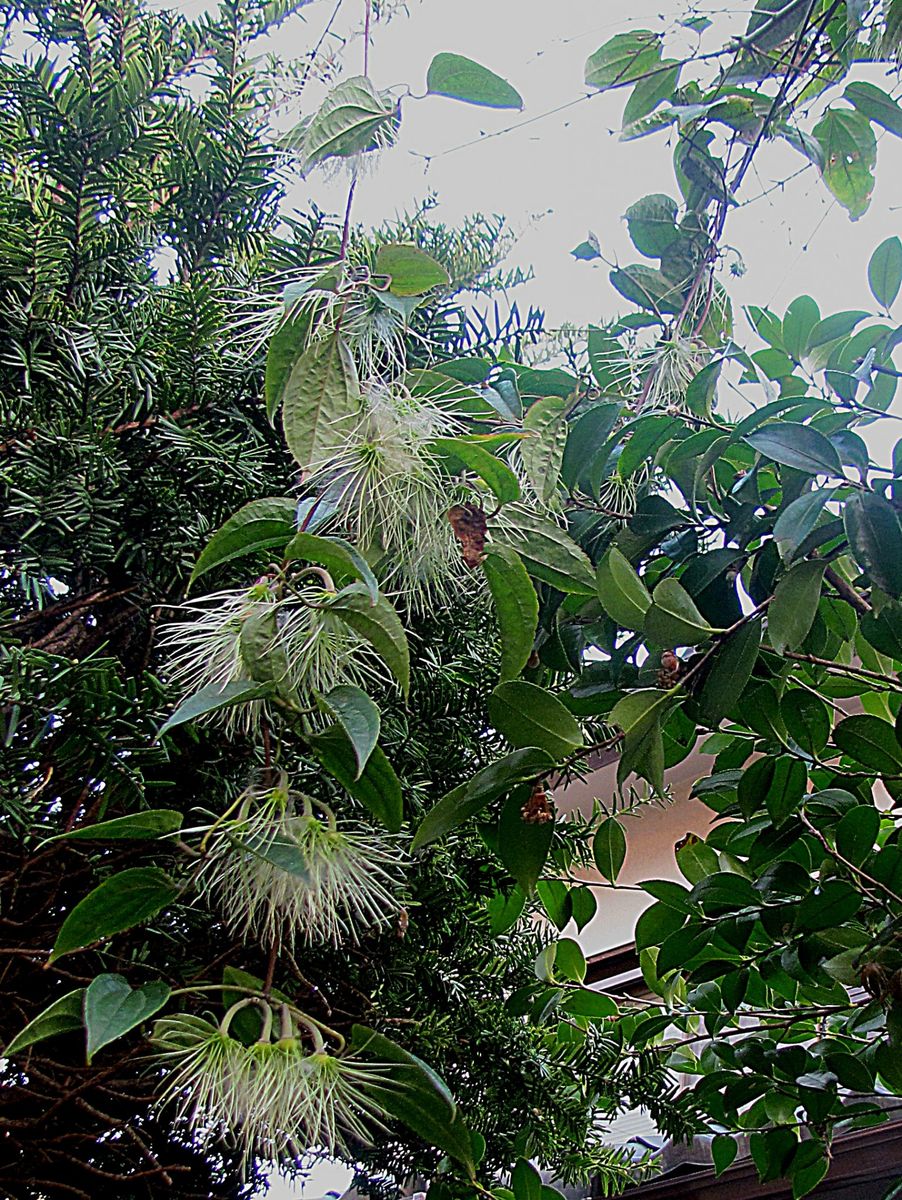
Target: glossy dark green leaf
504	911
797	446
550	554
831	904
359	718
730	670
623	595
609	848
656	924
554	896
875	536
213	698
526	1182
871	741
794	606
584	1002
696	860
520	766
140	826
857	832
335	554
584	906
498	475
569	961
113	1008
380	624
884	630
528	715
377	787
807	719
523	845
516	607
416	1096
798	519
266	524
673	618
724	1148
586	435
129	898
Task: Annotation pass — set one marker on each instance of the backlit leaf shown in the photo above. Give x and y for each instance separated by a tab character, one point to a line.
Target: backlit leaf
321	400
461	78
411	270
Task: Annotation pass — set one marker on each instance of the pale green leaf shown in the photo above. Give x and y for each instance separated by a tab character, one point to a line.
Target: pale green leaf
461	78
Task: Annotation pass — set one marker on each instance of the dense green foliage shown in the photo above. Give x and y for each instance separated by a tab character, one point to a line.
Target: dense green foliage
475	575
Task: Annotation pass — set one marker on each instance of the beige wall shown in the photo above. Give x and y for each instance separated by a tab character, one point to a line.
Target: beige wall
650	834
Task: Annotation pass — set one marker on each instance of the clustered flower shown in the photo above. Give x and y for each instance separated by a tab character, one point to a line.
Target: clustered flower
281	868
388	492
271	1098
257	633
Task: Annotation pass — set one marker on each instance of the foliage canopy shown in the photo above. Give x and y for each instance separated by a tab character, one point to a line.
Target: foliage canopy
306	836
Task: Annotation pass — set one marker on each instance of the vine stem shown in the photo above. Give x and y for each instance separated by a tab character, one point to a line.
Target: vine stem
346	227
845	862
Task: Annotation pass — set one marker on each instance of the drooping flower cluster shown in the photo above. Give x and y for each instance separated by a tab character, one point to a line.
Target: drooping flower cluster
388	492
272	1099
672	365
281	872
255	633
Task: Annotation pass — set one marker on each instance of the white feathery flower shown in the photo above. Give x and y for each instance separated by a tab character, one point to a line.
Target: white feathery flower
339	1100
253	633
272	1099
674	363
281	873
390	493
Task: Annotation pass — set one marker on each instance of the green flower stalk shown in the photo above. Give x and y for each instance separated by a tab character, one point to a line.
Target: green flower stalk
281	873
273	1100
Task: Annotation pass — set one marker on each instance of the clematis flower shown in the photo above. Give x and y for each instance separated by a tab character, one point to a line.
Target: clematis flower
283	874
389	493
253	633
272	1099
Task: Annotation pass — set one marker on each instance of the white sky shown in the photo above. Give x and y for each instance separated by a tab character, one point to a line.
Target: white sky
558	174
